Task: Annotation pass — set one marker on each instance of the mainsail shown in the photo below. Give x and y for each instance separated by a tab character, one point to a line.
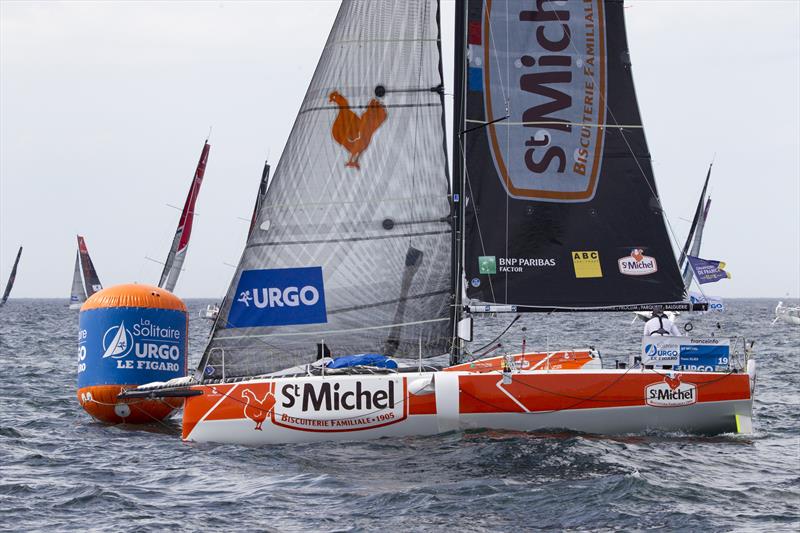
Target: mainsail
351	243
561	205
11	278
90	279
262	192
180	243
78	294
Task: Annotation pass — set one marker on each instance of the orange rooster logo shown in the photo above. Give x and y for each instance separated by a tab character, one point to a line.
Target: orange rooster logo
255	409
673	383
355	132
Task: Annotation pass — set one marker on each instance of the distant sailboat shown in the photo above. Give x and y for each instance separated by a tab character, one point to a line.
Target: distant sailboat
691	247
695	237
180	243
787	313
85	281
212	310
11	278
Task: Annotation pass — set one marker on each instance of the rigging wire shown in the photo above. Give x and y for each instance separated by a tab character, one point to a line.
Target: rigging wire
514	321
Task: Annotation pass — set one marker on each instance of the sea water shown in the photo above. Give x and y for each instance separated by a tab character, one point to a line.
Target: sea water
61	471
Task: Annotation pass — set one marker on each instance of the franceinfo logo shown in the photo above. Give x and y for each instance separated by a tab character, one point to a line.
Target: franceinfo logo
279	297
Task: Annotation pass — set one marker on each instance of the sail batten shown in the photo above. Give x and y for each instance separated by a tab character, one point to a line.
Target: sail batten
350	246
562	206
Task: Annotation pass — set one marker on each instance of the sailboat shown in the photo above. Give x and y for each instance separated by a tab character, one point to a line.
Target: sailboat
85	281
787	313
354	275
694	240
212	310
180	243
11	278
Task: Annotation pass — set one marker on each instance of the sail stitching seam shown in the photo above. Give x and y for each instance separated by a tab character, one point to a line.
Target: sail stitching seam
307	333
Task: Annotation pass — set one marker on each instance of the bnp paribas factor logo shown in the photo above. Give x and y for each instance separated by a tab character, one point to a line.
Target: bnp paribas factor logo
487	264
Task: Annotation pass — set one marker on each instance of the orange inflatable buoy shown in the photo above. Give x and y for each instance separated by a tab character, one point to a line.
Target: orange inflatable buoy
129	335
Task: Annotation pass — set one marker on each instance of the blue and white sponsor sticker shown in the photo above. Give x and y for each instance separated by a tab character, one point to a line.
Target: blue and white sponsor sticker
279	297
130	346
700	357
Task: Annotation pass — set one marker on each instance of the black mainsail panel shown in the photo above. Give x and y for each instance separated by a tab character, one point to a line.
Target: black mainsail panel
351	244
562	208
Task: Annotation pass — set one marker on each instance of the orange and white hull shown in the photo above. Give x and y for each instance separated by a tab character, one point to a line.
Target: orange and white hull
360	407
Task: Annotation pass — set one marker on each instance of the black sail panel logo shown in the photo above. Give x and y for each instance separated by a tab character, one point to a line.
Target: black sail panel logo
544	65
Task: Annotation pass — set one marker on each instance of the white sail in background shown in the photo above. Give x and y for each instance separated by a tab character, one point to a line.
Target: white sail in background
78	293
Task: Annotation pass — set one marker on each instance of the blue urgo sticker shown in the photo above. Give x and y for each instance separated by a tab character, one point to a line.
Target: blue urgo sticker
279	297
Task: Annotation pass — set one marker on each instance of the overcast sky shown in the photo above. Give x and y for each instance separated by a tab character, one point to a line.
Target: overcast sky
104	107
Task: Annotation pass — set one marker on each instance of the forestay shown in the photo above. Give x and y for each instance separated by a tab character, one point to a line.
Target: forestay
562	208
352	241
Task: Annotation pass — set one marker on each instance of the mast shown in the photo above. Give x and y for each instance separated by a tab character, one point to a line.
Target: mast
11	278
459	66
180	243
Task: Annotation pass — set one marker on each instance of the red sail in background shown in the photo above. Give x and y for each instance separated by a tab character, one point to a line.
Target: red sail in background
91	281
177	252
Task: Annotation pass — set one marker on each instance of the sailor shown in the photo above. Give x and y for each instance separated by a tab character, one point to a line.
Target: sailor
660	324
